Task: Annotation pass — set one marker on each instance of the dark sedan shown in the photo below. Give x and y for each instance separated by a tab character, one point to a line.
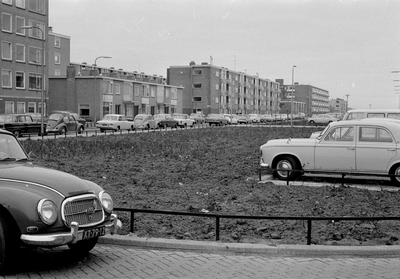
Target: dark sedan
216	119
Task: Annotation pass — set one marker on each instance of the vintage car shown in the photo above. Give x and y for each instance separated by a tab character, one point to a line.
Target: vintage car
164	120
198	117
114	122
322	119
61	122
370	113
20	124
42	207
266	118
243	119
216	119
232	119
183	120
255	118
144	121
366	146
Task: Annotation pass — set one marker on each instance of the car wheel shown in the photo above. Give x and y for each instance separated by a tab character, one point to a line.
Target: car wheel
312	122
101	130
63	131
84	246
80	130
148	127
395	170
184	126
8	243
176	126
284	165
17	133
118	128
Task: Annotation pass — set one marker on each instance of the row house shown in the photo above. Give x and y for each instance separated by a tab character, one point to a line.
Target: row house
212	89
93	92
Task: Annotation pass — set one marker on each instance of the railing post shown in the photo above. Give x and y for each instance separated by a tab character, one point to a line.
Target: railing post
217	228
309	232
132	220
287	177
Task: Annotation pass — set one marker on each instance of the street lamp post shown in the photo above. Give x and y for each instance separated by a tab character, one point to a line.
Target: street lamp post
42	85
291	99
95	86
347	102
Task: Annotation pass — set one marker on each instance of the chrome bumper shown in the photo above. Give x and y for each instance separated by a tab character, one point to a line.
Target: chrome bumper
57	239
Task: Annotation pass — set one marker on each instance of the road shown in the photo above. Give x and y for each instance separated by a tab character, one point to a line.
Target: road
113	261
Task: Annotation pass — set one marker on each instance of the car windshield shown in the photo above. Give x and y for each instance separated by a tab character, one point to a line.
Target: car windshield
55	116
179	116
10	148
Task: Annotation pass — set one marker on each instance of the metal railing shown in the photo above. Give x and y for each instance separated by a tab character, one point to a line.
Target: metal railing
218	218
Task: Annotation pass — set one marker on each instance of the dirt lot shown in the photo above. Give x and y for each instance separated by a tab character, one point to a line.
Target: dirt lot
215	170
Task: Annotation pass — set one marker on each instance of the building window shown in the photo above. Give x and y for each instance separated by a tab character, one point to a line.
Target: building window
36	6
35	55
34	32
197	85
217	100
174	94
20	80
9	107
136	90
167	92
31	107
117	109
19	53
57	72
84	109
6	78
145	91
35	81
6	22
20	107
196	99
57	58
153	92
6	52
110	87
117	89
197	72
20	3
19	22
9	2
57	42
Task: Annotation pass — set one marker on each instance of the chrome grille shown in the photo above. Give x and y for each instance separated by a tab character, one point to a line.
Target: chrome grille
85	210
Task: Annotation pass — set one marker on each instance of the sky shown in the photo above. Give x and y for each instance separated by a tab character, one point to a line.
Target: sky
350	48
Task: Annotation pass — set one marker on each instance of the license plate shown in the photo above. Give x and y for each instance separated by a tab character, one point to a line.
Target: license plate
100	231
104	124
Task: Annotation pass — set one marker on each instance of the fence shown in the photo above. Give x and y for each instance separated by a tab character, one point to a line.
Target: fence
218	218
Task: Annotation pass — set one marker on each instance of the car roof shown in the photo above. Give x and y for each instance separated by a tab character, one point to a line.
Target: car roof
374	110
369	121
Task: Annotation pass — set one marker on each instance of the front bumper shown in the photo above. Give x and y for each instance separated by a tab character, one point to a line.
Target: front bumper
57	239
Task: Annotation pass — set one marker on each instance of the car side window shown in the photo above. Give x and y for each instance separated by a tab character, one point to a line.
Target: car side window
340	134
372	134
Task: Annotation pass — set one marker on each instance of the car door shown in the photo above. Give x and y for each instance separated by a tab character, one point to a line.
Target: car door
336	150
375	148
70	122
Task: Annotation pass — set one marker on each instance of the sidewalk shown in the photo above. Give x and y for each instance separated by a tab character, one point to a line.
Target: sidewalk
278	250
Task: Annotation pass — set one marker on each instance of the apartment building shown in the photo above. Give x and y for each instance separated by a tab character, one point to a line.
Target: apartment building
338	105
212	89
23	65
94	91
59	53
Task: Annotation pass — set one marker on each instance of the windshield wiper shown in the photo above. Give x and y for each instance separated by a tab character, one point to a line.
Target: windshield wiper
20	159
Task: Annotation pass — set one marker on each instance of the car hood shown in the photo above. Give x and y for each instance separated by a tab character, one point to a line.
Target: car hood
291	142
64	183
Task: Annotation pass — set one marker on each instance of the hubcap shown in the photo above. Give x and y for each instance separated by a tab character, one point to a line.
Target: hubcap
283	166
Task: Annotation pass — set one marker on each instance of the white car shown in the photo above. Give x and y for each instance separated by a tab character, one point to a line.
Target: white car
255	118
322	119
183	120
115	122
231	119
365	146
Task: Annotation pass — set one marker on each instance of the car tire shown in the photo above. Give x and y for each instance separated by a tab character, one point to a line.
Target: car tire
63	131
286	163
84	246
80	130
395	170
312	122
8	243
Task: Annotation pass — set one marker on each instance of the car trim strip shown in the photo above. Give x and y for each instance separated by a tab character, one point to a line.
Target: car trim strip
33	183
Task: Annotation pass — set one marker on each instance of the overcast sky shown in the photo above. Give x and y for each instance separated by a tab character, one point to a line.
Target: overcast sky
343	46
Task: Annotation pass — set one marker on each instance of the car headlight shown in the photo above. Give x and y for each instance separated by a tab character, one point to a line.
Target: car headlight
106	201
47	211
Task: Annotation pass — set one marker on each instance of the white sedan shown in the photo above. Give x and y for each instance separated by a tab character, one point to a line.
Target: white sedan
322	119
366	146
114	122
183	120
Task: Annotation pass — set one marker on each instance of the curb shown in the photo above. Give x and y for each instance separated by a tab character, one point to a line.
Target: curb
278	250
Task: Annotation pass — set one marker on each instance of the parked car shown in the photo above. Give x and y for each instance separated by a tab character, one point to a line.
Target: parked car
79	119
198	117
369	146
183	120
114	122
266	118
216	119
61	122
231	119
369	113
165	120
144	121
234	119
255	118
337	115
42	207
243	119
322	119
20	124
